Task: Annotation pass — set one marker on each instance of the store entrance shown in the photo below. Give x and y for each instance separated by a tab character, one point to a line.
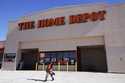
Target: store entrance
1	56
92	59
28	60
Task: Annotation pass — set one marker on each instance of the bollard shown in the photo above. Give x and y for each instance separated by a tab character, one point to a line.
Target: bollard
43	67
76	66
36	65
67	66
58	66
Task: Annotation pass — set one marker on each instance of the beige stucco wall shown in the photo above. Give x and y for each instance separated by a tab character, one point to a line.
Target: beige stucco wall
109	32
114	39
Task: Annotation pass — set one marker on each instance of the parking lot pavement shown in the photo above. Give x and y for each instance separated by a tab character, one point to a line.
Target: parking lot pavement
60	77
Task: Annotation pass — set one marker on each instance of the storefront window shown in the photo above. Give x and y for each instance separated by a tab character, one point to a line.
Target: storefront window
46	60
9	57
62	57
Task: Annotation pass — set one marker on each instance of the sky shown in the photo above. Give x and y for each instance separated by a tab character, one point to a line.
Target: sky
11	10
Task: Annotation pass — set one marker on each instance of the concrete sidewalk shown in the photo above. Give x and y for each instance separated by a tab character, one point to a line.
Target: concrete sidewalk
60	77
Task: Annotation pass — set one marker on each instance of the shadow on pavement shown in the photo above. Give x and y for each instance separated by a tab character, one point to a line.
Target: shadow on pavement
39	80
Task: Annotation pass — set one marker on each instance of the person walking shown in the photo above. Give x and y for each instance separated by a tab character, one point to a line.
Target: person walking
49	71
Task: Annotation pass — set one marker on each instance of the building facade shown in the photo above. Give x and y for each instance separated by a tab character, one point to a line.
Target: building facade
91	36
2	43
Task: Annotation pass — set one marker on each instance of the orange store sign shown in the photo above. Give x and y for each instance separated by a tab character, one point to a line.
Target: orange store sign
58	21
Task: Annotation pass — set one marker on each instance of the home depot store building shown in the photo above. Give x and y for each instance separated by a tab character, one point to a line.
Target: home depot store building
91	35
1	51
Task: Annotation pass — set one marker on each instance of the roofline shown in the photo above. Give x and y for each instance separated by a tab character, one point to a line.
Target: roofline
3	41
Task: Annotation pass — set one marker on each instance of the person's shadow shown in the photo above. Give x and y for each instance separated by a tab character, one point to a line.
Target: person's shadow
39	80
